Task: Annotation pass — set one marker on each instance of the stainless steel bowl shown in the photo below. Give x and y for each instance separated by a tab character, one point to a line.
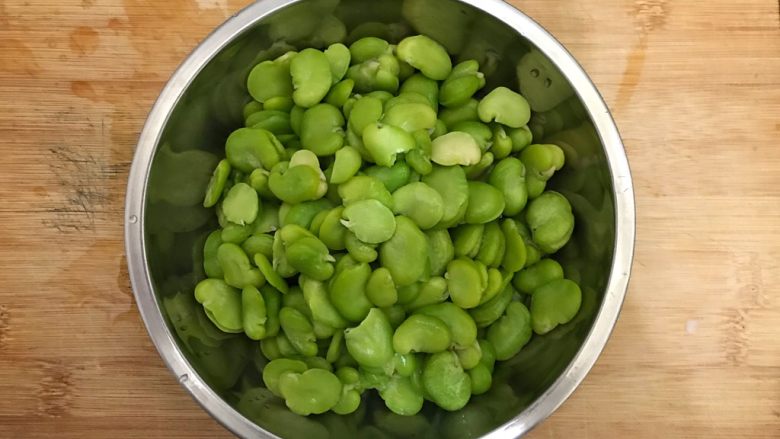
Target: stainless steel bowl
201	104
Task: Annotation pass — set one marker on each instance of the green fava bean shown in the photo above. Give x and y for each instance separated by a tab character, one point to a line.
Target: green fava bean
505	107
347	290
487	313
508	176
274	121
311	77
298	330
316	296
419	202
464	283
296	119
521	137
269	79
440	250
371	221
266	268
445	381
338	56
423	86
481	379
371	342
458	321
434	290
419	161
406	253
250	148
493	246
496	283
426	55
469	356
210	262
474	172
237	268
273	303
222	304
382	95
340	93
454	115
279	258
533	254
406	365
402	397
316	223
395	315
332	232
367	48
516	255
380	289
279	103
303	214
393	177
541	273
405	98
455	148
318	363
274	370
241	204
385	142
408	293
294	184
312	392
346	164
217	183
511	332
543	160
310	256
551	221
322	129
236	234
376	74
461	84
451	184
421	333
258	179
363	187
476	129
534	186
359	250
410	117
502	143
365	111
554	303
252	107
335	347
254	314
486	203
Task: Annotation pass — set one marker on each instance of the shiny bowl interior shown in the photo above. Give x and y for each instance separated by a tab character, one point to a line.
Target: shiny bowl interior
201	105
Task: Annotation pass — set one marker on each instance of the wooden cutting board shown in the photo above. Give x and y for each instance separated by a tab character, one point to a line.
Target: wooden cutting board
694	86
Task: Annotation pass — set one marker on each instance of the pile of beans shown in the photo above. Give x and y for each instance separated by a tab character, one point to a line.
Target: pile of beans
382	228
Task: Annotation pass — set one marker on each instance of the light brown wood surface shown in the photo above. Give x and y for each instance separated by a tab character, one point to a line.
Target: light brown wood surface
694	86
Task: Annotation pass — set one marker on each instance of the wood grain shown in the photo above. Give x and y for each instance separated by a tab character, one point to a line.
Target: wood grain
695	89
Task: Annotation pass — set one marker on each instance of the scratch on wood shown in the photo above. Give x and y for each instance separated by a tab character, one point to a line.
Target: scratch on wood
80	175
735	343
55	389
4	326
